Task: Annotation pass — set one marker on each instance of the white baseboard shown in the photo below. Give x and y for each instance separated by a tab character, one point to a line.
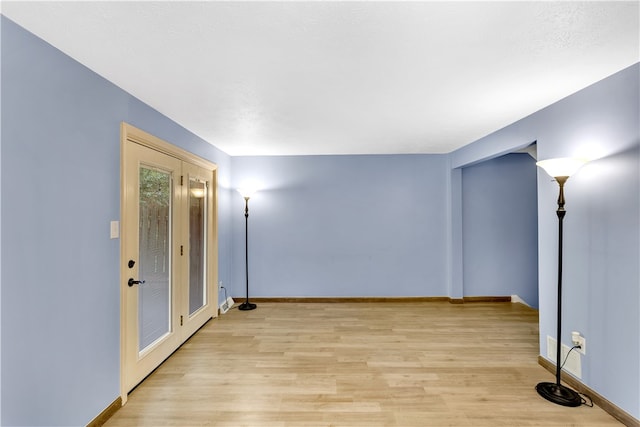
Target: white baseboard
516	298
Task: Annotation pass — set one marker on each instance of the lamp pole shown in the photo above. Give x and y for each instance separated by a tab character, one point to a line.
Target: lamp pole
246	305
560	212
557	393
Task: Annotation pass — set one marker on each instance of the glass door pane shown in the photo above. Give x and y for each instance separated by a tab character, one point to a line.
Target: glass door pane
154	297
197	245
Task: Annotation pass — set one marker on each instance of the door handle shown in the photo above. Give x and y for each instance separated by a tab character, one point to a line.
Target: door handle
132	282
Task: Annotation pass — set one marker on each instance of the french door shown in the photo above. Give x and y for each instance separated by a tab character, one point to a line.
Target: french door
168	252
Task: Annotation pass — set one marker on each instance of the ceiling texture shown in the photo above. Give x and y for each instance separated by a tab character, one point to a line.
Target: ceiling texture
332	77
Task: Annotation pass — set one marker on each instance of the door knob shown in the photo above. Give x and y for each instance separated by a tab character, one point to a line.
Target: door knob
132	282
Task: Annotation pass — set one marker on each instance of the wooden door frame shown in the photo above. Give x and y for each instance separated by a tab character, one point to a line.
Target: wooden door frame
133	134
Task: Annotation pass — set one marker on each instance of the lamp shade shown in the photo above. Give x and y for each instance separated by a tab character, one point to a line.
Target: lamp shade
247	192
563	166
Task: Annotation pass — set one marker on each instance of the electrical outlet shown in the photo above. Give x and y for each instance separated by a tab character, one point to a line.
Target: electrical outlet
578	340
582	342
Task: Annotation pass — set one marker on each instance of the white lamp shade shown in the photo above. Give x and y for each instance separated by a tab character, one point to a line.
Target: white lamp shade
564	166
247	192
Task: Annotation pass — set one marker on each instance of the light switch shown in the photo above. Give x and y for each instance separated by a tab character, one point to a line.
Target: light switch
115	229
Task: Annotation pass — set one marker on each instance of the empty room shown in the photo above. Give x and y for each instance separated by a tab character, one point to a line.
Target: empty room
320	213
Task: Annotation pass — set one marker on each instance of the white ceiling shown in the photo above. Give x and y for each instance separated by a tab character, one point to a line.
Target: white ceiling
319	77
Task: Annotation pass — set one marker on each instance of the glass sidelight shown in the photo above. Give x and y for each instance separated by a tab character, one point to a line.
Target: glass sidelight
197	245
154	297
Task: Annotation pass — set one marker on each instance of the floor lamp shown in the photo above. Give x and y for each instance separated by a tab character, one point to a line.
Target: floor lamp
560	169
246	193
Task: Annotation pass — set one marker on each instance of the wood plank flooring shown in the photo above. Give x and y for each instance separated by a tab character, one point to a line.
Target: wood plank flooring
357	364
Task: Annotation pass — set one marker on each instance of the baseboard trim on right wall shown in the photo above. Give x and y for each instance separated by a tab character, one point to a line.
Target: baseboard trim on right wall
104	416
613	410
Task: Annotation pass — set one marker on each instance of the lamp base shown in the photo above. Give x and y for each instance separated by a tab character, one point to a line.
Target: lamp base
559	394
247	306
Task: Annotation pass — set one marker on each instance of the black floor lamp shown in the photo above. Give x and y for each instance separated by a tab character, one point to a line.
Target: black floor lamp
246	193
560	169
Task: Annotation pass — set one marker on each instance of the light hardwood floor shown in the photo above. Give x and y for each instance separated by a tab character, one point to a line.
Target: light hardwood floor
357	364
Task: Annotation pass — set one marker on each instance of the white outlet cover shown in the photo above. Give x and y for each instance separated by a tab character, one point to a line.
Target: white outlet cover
583	345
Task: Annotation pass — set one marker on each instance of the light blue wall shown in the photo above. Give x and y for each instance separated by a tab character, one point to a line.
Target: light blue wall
455	265
602	237
60	270
343	226
323	226
500	228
